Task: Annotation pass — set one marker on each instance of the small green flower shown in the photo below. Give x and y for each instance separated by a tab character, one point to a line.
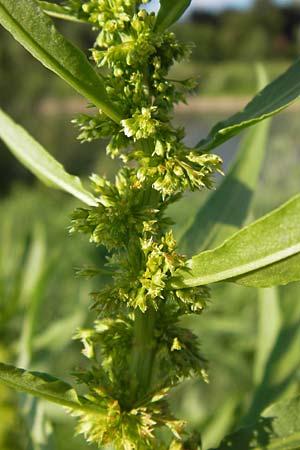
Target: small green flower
130	221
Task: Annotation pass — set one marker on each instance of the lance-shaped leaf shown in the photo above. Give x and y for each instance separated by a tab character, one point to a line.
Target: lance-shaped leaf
28	24
275	97
277	429
227	207
60	12
33	156
170	11
263	254
45	386
278	351
269	325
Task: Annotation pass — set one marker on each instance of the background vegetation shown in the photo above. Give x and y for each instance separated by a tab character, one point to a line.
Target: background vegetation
39	310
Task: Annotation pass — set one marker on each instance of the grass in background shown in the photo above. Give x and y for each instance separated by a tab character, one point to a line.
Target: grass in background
227	78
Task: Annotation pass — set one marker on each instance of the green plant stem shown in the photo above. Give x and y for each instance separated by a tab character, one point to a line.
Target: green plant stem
143	354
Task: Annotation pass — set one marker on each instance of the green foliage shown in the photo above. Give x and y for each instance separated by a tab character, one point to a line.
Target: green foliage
36	159
275	97
138	347
274	261
54	51
61	12
170	12
218	219
278	428
44	386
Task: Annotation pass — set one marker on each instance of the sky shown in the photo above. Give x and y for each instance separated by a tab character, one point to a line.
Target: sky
219	4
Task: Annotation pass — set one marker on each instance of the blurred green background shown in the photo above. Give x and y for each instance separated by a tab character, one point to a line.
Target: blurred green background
42	302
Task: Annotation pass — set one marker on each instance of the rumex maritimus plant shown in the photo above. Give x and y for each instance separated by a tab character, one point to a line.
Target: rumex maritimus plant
137	348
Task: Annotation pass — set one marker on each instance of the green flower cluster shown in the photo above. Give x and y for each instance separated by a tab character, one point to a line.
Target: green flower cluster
124	212
138	59
111	381
140	276
137	348
124	429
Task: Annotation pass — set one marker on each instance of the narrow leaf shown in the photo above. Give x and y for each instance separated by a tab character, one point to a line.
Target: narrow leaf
273	239
33	283
277	429
278	350
25	20
277	274
44	386
33	156
275	97
59	12
269	321
226	209
170	11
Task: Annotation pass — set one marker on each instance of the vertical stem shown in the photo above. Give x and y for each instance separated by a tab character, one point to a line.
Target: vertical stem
144	342
143	353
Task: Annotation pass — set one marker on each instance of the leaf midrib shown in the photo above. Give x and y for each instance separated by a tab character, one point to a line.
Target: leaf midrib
54	399
261	114
258	116
60	68
78	190
244	268
58	12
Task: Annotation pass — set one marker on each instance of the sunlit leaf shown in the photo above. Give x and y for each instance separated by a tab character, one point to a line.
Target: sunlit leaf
33	156
170	11
226	208
59	12
33	29
275	97
263	254
44	386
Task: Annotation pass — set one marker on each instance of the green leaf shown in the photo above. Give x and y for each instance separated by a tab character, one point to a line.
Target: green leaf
277	274
277	429
275	97
263	254
59	12
44	386
33	156
25	20
170	11
226	209
33	283
278	351
269	321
